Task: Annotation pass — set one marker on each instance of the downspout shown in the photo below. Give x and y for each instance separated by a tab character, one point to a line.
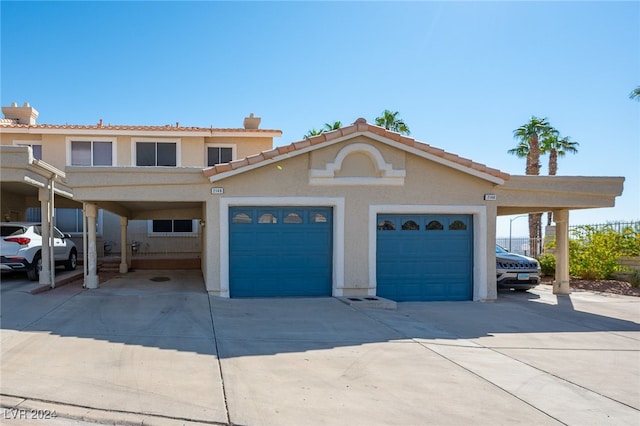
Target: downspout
52	264
85	263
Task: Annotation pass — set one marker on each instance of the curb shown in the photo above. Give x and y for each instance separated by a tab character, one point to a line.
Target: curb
19	407
66	279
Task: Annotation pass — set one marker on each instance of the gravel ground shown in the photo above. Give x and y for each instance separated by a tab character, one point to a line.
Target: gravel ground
602	286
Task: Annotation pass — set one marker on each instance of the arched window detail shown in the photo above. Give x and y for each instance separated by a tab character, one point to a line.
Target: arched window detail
241	218
386	225
434	225
292	218
457	225
318	218
268	218
410	225
382	173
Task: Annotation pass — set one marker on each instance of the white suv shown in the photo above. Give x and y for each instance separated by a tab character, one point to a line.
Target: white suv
21	245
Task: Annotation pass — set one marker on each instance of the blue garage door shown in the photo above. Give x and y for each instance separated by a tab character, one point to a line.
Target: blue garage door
280	251
425	257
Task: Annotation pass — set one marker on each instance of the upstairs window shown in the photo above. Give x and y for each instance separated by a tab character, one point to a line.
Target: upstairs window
218	155
37	151
156	154
91	153
35	148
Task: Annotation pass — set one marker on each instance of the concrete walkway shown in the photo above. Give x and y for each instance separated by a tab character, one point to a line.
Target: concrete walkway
151	347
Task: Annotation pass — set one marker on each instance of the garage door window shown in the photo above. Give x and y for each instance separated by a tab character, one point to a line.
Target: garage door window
318	218
268	218
458	225
292	218
410	225
241	218
386	225
434	225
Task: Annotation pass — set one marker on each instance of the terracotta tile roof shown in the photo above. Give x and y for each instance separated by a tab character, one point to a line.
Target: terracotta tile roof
360	125
6	123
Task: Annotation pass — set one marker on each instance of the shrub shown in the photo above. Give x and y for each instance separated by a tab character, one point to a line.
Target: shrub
548	264
594	252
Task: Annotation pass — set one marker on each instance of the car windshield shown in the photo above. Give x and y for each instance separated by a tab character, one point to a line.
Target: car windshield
500	249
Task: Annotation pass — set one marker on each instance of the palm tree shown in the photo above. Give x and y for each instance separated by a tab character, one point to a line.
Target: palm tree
635	94
390	121
556	147
313	132
529	135
329	127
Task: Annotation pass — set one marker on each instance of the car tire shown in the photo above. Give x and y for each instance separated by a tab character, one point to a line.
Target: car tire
72	262
33	273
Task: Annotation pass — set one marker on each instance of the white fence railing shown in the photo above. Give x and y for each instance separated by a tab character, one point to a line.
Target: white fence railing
145	245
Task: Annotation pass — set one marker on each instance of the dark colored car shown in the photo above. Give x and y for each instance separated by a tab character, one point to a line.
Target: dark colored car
514	271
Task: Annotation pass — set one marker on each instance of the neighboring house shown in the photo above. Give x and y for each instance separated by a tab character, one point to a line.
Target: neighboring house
359	211
111	146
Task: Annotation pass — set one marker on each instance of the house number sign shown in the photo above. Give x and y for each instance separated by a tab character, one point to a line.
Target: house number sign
217	191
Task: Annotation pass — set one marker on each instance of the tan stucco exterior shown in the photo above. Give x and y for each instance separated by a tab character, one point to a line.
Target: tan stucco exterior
360	171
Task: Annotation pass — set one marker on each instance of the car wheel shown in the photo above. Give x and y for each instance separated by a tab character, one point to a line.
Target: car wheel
33	273
71	264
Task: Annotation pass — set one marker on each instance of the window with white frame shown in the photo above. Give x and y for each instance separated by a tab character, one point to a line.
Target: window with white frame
36	148
156	153
219	154
91	153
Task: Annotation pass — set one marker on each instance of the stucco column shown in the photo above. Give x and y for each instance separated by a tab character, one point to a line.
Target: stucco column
124	267
44	195
561	283
91	280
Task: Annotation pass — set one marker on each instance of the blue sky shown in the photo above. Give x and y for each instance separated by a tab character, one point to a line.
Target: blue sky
463	75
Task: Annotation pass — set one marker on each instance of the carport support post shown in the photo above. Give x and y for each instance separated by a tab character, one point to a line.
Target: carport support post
91	281
561	283
44	196
124	267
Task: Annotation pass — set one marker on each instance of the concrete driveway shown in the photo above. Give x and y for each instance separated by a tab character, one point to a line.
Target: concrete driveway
151	347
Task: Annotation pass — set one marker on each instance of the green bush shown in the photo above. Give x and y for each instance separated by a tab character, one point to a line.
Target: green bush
594	252
548	264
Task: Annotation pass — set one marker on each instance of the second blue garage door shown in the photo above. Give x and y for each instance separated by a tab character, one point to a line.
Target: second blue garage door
424	257
280	251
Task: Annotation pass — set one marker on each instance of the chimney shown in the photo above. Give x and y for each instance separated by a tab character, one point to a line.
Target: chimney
251	122
26	114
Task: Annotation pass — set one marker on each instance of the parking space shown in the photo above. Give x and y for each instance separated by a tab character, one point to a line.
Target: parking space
153	347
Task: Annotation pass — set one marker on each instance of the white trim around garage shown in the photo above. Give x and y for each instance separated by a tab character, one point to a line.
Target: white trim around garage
338	204
479	213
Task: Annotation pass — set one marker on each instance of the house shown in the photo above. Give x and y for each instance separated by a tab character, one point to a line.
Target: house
359	211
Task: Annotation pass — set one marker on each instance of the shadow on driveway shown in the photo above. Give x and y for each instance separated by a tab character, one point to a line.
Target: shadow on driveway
171	310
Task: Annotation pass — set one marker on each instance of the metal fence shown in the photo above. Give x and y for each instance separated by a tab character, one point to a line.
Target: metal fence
144	245
615	226
521	245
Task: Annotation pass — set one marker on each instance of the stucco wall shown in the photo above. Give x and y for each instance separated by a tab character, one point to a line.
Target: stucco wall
192	148
426	183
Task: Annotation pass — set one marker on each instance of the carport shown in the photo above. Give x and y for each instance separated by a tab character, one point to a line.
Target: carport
136	193
559	194
28	182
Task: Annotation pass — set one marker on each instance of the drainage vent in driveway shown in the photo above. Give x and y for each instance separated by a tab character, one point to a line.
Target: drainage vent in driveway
158	279
368	302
